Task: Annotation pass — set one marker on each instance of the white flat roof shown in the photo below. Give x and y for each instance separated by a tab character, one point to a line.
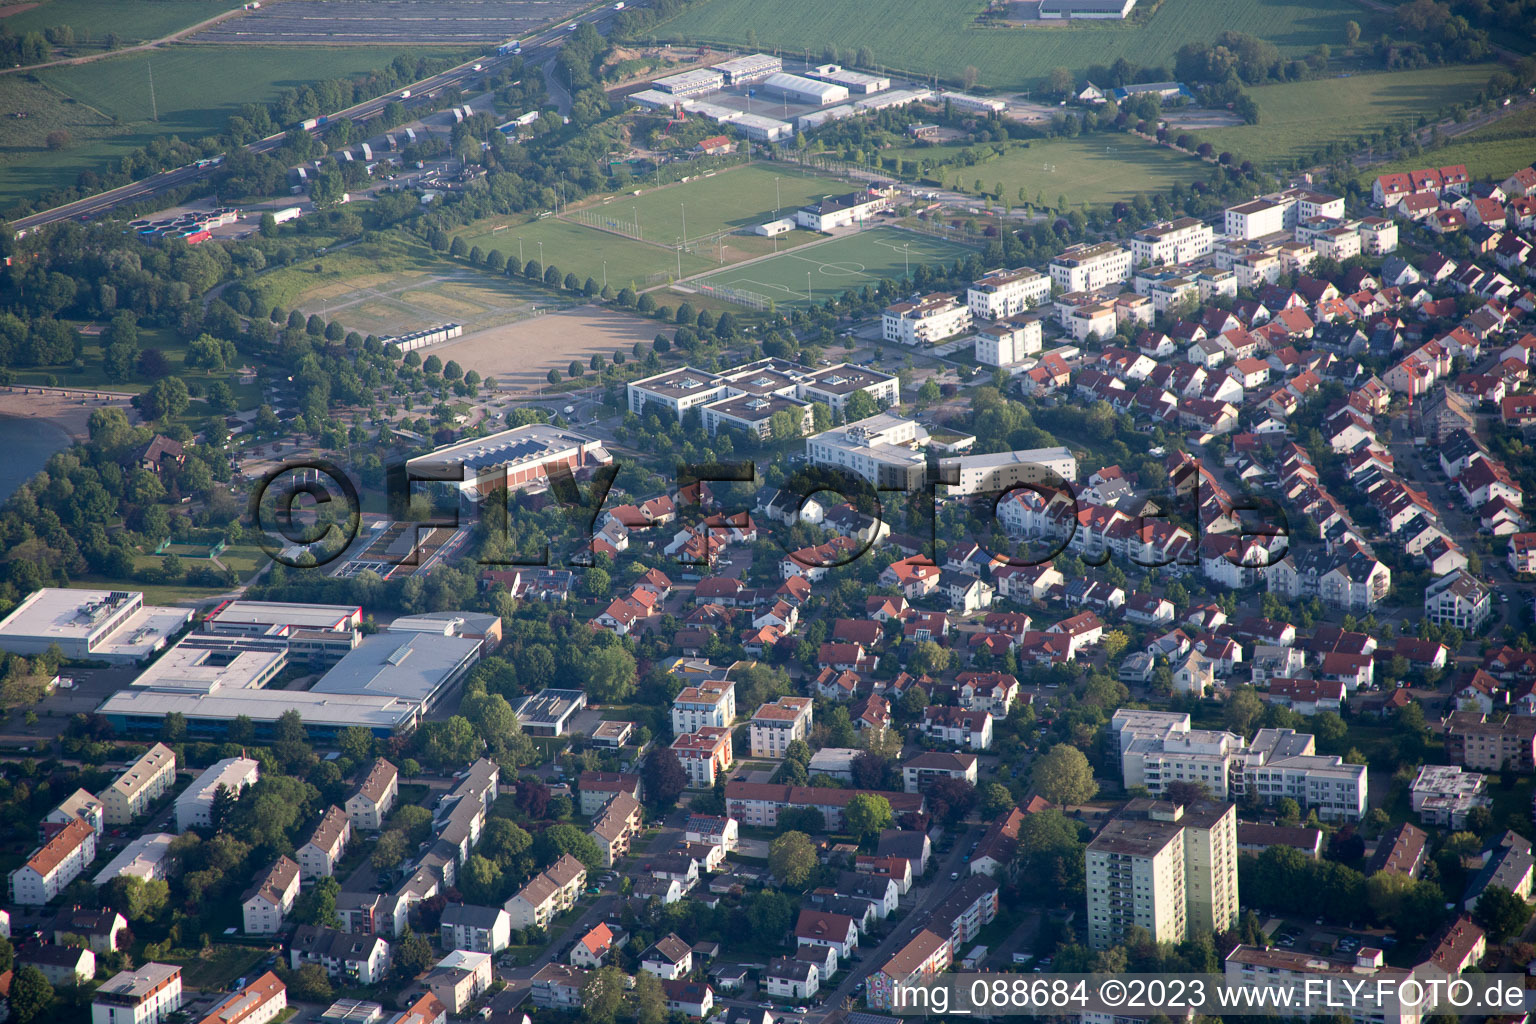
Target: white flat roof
530	444
326	710
188	668
283	613
145	632
62	614
70	618
408	665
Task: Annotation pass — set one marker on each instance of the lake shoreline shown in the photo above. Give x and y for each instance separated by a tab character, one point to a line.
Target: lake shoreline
34	426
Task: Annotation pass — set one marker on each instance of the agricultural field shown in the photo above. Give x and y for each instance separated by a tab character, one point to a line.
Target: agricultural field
1289	126
1091	169
133	21
817	272
1494	151
942	39
388	287
392	22
105	104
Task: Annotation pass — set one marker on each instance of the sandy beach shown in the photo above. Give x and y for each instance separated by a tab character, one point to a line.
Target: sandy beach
68	410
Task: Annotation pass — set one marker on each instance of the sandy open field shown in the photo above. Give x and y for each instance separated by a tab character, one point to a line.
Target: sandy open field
520	355
68	409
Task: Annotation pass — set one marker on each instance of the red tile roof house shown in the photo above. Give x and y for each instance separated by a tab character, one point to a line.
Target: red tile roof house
819	928
866	632
1306	696
970	730
842	657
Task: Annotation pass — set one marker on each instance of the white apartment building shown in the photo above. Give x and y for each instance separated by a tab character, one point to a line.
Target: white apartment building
54	865
1085	268
1003	471
925	321
144	995
371	804
775	726
1378	236
1158	748
710	702
1444	794
271	899
145	858
675	391
884	449
1339	243
1217	284
1004	292
135	791
1092	320
1304	204
1169	869
195	804
1327	785
1255	219
1009	341
547	894
1177	293
1173	241
256	1003
835	385
1280	211
323	850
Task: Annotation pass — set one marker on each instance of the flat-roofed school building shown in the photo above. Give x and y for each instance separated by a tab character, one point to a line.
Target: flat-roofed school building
516	459
100	625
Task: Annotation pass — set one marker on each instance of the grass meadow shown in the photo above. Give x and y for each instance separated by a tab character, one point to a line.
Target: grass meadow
833	267
1089	169
1291	126
731	199
583	251
1493	151
726	201
942	39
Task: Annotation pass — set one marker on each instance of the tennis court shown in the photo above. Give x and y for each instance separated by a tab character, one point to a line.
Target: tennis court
817	272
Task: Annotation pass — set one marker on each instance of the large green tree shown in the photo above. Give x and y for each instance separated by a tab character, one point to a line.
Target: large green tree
867	815
31	994
664	777
1063	776
1500	912
602	995
792	858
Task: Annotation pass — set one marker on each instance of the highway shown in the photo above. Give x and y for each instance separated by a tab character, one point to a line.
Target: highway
537	50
